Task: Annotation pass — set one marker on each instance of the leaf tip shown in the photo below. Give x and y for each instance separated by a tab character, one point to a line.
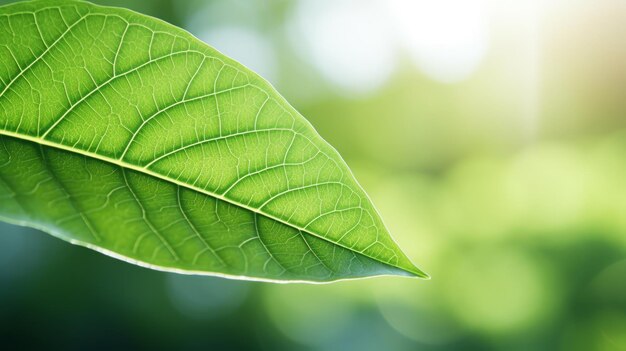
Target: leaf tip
408	269
418	273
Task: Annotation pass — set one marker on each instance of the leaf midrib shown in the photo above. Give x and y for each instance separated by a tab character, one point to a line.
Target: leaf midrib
143	170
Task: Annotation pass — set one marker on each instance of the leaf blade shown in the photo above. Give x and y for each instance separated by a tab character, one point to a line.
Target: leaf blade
161	104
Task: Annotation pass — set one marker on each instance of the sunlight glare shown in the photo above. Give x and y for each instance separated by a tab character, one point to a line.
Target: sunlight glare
346	41
446	39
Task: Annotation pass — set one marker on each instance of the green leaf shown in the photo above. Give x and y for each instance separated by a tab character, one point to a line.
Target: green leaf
127	135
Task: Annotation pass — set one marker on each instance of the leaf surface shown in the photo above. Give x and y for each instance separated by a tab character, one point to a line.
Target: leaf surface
127	135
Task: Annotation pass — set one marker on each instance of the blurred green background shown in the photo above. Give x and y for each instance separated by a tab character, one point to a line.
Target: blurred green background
490	134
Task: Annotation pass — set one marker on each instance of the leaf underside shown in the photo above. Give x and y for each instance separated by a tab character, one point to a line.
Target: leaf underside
127	135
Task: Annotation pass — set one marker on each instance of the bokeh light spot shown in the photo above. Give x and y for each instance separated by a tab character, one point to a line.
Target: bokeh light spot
499	290
446	39
346	40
